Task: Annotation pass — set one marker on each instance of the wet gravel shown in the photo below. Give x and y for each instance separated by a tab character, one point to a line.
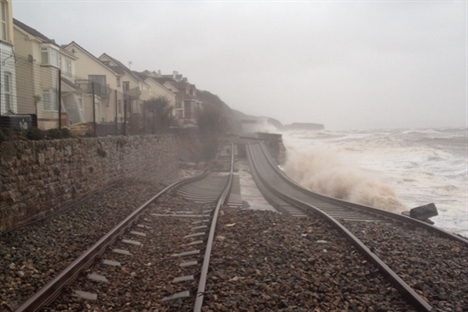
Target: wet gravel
143	279
437	268
261	261
31	256
264	261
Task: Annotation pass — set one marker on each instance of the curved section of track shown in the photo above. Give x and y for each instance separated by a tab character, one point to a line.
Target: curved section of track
282	188
336	208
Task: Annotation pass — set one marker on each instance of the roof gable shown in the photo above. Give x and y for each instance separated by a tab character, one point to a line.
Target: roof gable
119	67
153	81
33	32
73	45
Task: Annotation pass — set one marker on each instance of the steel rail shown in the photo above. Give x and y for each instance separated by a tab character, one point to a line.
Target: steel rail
368	209
206	260
52	289
401	285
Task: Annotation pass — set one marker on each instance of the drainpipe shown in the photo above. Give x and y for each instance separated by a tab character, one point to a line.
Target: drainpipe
59	99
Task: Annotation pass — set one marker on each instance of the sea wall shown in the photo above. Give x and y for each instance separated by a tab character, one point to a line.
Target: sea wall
39	177
274	143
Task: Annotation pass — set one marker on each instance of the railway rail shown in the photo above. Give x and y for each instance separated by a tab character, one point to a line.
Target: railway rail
351	219
162	253
133	225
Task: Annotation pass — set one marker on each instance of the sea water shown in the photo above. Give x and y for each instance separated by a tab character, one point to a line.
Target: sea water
394	170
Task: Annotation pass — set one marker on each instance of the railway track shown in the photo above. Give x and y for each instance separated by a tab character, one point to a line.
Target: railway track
384	238
263	261
121	252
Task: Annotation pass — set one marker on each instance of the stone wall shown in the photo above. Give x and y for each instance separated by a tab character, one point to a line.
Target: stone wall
39	177
274	143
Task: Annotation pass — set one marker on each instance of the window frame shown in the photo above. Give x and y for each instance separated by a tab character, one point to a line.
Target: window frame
52	104
101	88
126	86
7	91
48	53
3	19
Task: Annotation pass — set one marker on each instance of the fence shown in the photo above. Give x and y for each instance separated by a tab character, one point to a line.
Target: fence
33	95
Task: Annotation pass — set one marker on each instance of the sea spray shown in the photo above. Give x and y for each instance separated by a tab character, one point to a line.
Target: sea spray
420	165
322	172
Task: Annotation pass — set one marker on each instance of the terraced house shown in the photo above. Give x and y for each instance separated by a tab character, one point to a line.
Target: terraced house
108	91
187	103
8	103
136	91
42	66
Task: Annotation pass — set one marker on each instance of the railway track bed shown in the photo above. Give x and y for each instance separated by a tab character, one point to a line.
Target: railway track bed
31	256
437	268
157	257
140	281
265	261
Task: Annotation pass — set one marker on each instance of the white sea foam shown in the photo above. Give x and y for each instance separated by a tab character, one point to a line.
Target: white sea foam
386	168
321	171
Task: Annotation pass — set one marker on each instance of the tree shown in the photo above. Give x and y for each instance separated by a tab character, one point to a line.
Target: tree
213	126
158	114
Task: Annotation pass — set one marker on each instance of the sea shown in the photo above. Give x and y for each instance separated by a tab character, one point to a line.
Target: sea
394	170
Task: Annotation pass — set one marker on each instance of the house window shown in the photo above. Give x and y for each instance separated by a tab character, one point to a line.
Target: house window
126	86
3	14
7	91
118	81
50	99
119	106
99	84
54	57
49	56
44	56
68	67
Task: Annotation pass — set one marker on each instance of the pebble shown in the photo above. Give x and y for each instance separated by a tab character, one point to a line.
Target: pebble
32	255
261	261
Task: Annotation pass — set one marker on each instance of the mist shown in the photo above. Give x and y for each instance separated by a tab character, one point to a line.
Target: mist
347	65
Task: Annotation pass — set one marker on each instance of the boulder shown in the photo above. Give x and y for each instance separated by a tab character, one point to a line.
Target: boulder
424	212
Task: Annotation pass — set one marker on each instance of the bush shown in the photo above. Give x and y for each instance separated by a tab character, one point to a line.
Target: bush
66	133
57	133
54	134
2	136
89	134
35	134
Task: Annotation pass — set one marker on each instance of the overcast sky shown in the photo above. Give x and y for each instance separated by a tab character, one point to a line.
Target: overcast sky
346	64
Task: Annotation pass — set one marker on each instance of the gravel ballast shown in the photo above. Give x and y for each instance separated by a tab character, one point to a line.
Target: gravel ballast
32	255
264	261
261	261
436	267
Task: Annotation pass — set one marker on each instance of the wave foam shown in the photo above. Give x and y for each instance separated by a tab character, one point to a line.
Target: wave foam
321	172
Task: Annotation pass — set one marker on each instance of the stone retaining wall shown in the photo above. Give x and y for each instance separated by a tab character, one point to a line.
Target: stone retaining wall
39	177
274	143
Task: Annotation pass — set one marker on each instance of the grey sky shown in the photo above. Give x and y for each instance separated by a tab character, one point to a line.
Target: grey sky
345	64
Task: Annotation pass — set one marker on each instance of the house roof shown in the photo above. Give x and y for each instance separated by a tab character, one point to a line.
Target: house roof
156	82
146	75
121	68
162	80
178	77
91	56
34	32
142	75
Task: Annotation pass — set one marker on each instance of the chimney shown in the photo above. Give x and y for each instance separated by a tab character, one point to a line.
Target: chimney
174	75
159	73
